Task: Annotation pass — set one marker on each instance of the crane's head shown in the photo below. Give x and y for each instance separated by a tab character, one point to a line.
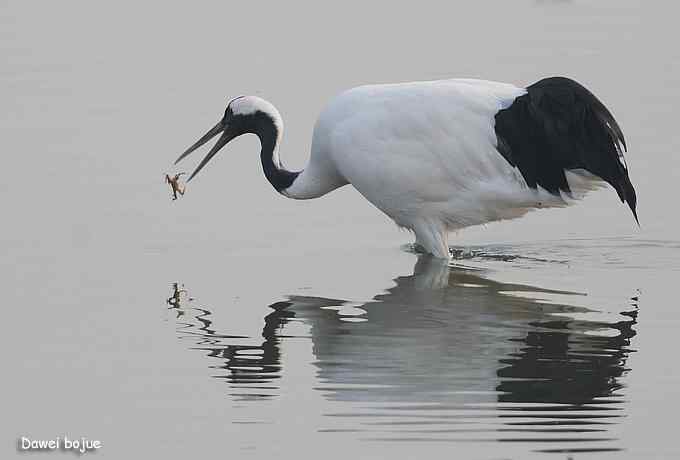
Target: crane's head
244	114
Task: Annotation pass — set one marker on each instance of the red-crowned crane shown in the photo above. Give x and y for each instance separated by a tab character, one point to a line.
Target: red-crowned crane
439	156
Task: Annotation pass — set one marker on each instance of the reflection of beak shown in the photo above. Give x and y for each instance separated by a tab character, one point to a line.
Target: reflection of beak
227	135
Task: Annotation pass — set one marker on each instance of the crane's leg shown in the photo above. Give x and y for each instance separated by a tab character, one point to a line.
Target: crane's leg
431	273
433	238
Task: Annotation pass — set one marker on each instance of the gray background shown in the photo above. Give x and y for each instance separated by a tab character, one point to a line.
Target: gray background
99	98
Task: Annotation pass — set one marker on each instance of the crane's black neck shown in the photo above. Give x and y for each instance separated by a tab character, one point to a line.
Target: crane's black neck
269	134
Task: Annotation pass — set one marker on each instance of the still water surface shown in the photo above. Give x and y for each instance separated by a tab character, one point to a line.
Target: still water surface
443	354
234	322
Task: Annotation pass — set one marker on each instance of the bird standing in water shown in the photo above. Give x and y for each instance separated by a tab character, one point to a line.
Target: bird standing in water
442	155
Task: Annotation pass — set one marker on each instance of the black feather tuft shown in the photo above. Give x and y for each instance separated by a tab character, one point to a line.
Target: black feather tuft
559	125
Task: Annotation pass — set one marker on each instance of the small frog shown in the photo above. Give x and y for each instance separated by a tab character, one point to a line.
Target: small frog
176	186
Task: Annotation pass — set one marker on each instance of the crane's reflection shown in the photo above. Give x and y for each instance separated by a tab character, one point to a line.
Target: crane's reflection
442	345
246	364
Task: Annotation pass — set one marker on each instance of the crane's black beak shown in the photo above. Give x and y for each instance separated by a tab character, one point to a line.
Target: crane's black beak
227	135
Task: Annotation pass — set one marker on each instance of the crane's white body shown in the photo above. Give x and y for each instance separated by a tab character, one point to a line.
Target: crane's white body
425	153
442	155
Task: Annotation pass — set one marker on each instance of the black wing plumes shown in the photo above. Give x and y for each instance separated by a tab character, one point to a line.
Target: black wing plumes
559	125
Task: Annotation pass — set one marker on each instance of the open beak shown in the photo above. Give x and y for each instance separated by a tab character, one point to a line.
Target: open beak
226	136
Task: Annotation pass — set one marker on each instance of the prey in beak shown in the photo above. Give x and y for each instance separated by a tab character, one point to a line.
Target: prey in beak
248	115
176	187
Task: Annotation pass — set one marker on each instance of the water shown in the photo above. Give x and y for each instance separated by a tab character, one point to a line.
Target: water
235	322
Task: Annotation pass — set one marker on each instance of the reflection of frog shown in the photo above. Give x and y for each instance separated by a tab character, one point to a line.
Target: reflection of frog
175	299
176	186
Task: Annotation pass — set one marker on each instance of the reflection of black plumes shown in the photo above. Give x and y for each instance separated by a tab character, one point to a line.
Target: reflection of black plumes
560	363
